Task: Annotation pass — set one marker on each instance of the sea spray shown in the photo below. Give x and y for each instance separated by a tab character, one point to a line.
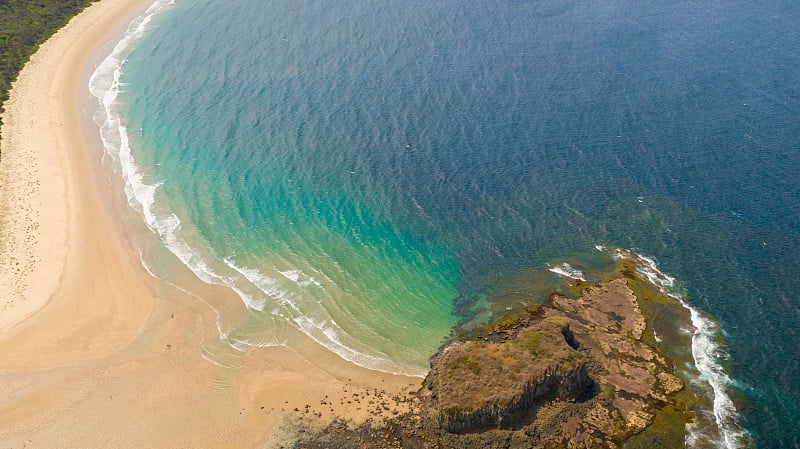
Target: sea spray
705	352
565	269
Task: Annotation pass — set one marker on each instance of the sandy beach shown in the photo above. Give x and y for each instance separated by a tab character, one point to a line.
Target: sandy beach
61	246
94	352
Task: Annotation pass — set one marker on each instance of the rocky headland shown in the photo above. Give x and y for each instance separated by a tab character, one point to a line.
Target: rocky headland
576	373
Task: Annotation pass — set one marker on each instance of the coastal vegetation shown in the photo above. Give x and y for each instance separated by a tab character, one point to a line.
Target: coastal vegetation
24	25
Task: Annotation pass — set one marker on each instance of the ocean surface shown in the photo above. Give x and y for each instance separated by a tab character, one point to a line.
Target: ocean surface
370	172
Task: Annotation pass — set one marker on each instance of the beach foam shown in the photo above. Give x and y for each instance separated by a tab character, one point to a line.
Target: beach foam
705	349
567	270
105	85
322	329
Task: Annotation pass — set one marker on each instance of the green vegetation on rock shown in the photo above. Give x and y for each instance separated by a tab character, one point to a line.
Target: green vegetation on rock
592	366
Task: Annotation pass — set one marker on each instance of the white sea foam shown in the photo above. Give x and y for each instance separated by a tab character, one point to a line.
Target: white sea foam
222	334
265	284
324	331
567	270
326	335
657	338
243	345
211	360
704	351
104	84
300	278
294	275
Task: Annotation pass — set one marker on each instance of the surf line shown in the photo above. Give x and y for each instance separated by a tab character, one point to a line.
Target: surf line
105	86
704	353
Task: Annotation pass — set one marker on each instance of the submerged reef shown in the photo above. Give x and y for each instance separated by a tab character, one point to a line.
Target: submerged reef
576	372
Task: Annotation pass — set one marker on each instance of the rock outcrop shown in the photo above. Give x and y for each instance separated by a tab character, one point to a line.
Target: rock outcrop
574	374
478	386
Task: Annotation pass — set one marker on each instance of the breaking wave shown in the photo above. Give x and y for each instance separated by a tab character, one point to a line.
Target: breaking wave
105	86
707	353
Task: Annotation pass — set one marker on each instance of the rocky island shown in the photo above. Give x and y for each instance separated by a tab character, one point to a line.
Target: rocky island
573	373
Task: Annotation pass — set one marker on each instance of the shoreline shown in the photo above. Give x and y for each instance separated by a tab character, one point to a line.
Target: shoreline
94	351
100	340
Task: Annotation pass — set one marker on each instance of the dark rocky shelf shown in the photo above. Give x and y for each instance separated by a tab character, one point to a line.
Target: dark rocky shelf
576	373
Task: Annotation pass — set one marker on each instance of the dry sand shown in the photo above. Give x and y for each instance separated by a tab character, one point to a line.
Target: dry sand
59	246
95	353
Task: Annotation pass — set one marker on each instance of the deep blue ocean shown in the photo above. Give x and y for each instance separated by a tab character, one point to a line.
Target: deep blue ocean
367	171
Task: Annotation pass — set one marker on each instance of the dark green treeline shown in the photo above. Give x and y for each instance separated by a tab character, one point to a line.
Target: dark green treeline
24	25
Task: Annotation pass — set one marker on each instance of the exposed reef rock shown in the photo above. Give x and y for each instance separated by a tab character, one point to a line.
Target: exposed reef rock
478	385
574	374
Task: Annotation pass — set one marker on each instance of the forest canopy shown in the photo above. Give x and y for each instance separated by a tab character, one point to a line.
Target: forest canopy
24	25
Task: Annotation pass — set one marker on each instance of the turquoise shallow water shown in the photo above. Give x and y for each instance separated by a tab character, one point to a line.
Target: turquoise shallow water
366	172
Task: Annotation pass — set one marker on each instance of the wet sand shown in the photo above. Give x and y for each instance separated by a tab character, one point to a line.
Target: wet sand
94	352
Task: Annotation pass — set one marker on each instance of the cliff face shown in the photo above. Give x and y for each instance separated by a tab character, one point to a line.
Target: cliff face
513	414
480	385
573	374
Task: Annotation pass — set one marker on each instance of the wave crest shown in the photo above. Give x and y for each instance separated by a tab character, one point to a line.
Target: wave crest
706	354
